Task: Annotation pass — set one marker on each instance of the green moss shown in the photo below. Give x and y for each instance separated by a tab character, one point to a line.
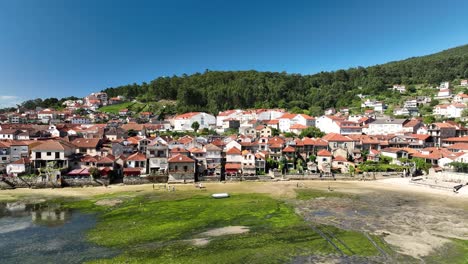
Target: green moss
453	253
155	228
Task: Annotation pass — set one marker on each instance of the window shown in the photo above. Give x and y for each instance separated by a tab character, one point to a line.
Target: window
38	155
324	159
49	153
176	167
57	155
185	168
3	158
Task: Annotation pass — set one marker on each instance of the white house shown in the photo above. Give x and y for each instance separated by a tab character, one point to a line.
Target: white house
386	126
444	85
464	82
286	121
184	122
461	98
269	114
80	120
400	88
454	110
228	114
327	124
444	93
248	163
234	155
17	167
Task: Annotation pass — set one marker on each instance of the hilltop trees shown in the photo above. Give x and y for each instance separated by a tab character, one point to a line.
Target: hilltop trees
213	91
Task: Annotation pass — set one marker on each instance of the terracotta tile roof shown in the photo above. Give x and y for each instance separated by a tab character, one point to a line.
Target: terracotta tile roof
54	146
137	157
459	146
180	159
132	126
308	141
212	147
218	142
276	140
412	123
196	150
443	125
86	142
334	137
420	136
288	116
179	150
320	142
233	151
273	122
324	153
339	158
187	115
227	112
289	149
276	145
233	166
457	139
185	139
307	117
299	142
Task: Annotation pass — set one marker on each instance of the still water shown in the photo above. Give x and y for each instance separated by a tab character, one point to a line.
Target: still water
46	234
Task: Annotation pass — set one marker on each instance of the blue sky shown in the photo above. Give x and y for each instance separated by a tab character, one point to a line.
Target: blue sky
58	48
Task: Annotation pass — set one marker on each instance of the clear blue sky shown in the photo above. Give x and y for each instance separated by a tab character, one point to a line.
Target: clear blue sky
58	48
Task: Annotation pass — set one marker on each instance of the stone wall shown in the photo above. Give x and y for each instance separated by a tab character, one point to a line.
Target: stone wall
447	176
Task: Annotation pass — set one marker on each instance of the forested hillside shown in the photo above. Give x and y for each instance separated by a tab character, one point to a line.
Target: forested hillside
214	90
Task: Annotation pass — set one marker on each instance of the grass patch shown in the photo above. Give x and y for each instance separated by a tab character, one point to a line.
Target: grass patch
455	252
154	228
116	107
307	194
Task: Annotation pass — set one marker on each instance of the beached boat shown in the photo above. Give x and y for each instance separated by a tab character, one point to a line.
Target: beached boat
220	195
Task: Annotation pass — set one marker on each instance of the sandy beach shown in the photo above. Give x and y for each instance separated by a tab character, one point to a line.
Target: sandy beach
280	189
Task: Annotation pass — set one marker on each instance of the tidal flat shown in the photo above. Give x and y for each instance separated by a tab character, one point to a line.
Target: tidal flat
302	225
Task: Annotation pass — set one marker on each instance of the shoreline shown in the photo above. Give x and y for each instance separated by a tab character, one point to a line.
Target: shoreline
279	189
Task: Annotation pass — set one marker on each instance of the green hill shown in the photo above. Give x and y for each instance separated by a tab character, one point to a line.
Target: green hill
213	91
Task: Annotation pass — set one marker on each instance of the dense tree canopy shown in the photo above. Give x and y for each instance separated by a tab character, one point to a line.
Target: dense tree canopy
213	91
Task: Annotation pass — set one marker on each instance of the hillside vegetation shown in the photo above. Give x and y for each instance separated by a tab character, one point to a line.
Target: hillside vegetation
213	91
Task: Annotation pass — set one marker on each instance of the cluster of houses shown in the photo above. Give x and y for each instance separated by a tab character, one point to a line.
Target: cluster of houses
141	150
452	105
237	142
89	104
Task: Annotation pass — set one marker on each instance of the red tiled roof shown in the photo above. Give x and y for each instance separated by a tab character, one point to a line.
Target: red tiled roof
339	158
324	153
233	151
137	157
288	116
457	139
180	159
196	150
420	136
308	141
334	137
289	149
233	166
187	115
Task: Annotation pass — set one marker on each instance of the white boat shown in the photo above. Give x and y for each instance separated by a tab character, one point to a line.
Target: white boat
220	195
